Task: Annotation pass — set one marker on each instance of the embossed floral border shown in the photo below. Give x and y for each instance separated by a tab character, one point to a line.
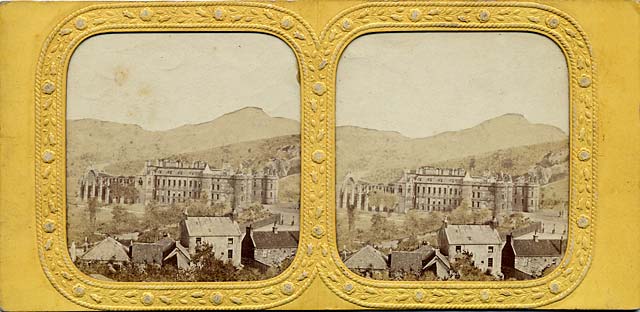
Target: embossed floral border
317	60
50	99
480	16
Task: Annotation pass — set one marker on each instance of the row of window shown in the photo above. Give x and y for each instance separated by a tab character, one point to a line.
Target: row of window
445	201
229	242
437	190
490	250
180	182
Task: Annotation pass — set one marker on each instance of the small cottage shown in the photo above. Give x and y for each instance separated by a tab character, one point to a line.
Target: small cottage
367	261
178	257
268	248
107	250
528	258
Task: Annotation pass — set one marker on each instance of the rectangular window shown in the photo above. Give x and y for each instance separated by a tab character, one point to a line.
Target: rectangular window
230	240
198	240
490	262
490	249
458	249
230	253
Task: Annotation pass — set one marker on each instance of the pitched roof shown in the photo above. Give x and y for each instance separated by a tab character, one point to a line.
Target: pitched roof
424	249
107	249
178	249
146	253
471	234
212	226
166	243
367	258
437	256
406	260
531	248
270	240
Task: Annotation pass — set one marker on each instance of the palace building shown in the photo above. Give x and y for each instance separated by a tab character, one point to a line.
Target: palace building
174	181
441	189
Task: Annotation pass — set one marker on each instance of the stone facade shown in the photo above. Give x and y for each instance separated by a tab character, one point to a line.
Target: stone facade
174	181
531	256
443	189
268	248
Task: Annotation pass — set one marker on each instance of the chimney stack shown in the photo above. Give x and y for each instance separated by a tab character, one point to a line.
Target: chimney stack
275	228
535	236
509	238
249	230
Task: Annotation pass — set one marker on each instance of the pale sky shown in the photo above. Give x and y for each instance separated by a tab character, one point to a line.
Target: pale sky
420	84
162	81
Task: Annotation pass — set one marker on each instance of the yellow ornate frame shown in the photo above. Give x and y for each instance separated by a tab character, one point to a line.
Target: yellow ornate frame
317	60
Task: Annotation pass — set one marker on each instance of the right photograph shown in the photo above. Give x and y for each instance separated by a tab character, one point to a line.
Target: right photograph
452	156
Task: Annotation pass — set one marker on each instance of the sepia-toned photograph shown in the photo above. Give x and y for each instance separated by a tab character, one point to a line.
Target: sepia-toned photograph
452	156
183	157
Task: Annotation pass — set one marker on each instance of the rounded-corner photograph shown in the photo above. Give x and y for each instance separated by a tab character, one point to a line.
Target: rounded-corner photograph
452	156
183	157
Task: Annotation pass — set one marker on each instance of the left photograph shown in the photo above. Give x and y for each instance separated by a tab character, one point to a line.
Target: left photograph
183	157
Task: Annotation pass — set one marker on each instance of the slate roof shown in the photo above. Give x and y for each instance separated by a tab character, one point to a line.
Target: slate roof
424	249
471	234
107	249
531	248
178	249
271	240
406	260
212	226
148	253
437	256
367	258
167	244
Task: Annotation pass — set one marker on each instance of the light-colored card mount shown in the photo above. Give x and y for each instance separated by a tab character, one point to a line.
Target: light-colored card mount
317	55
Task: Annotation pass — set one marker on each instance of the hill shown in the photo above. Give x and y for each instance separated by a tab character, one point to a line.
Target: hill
100	143
281	153
380	155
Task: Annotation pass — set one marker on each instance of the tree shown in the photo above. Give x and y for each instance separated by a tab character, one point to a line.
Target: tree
408	244
462	214
381	229
472	163
209	268
127	192
467	271
118	214
381	199
92	207
351	216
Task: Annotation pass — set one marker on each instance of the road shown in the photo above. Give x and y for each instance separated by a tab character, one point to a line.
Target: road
553	226
288	214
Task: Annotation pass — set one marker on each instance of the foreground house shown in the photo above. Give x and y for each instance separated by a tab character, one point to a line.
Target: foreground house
480	240
107	250
222	233
438	264
152	253
425	258
528	258
367	261
178	257
268	248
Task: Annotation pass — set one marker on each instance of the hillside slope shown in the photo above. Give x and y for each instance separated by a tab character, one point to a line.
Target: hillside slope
380	154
